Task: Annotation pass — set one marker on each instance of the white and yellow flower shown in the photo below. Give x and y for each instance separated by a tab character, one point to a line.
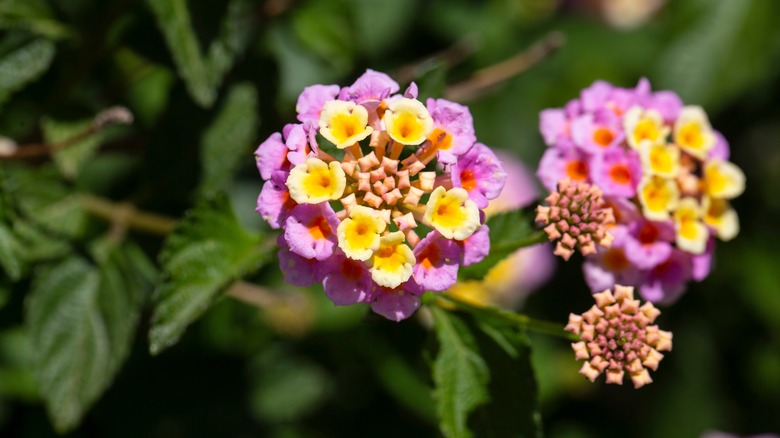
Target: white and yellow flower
644	126
408	121
344	123
393	262
723	179
660	159
691	232
693	133
658	197
721	217
452	213
315	181
359	234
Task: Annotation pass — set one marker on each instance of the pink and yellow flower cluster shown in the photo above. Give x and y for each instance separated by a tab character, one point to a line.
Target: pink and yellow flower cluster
379	194
663	170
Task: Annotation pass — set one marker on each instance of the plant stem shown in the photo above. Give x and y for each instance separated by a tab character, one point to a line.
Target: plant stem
125	214
525	321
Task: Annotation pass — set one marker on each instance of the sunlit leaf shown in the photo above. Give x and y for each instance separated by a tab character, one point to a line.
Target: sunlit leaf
205	253
460	374
81	319
24	65
227	141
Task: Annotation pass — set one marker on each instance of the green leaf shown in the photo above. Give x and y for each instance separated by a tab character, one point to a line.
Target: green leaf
206	252
34	16
509	232
226	142
203	74
9	253
70	159
81	319
147	93
24	65
513	410
324	29
380	24
459	374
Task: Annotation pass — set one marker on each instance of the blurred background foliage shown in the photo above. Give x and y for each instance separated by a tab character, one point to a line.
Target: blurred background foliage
206	81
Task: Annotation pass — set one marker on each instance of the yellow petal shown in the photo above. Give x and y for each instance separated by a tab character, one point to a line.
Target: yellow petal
408	121
344	123
315	181
452	213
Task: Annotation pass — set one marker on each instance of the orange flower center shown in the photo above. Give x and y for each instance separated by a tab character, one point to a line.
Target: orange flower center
603	137
577	170
620	174
467	180
319	228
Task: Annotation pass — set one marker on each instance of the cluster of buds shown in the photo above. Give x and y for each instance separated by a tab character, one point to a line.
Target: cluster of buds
577	218
664	171
617	338
379	195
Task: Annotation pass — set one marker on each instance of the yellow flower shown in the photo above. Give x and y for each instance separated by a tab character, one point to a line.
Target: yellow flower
452	213
723	179
693	133
392	263
315	181
359	233
659	159
692	234
644	126
719	215
344	123
658	196
408	121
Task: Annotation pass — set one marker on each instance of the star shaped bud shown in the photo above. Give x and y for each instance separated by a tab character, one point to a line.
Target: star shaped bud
344	123
452	213
644	126
577	218
408	121
723	179
658	197
617	338
660	159
391	265
315	181
721	217
693	133
692	234
358	234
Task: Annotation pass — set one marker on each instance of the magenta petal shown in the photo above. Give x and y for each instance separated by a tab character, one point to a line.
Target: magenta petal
312	99
274	203
520	188
721	149
438	260
396	304
271	155
371	85
347	281
298	233
479	171
556	164
297	270
477	246
617	172
554	125
455	120
667	281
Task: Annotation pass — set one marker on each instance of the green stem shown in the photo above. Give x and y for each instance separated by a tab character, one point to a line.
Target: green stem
525	321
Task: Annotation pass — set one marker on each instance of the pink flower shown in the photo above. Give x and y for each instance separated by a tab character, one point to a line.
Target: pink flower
297	270
312	99
437	262
611	266
346	281
563	162
649	243
617	338
453	132
479	171
371	85
576	218
554	125
597	132
271	155
617	172
310	231
274	203
667	281
476	247
396	304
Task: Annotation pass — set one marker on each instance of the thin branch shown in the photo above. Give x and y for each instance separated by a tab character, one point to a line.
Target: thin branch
290	313
486	78
548	328
124	214
451	56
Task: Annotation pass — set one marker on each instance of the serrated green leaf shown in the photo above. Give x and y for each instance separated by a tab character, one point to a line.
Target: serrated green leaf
226	142
202	74
460	375
81	319
70	159
509	232
24	65
9	253
205	253
513	410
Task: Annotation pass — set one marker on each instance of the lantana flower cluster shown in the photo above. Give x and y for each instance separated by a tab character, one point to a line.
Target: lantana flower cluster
662	169
378	194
